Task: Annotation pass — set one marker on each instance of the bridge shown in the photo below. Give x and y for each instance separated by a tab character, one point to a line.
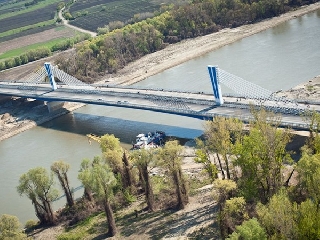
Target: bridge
55	86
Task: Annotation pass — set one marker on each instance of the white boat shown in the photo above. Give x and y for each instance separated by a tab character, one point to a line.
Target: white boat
149	140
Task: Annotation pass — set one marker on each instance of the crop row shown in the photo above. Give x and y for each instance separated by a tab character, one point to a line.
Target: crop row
8	6
27	32
28	18
123	12
84	5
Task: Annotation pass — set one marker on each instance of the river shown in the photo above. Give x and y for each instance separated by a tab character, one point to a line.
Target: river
278	58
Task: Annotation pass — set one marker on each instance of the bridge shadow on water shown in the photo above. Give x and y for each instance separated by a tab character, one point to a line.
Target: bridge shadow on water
124	129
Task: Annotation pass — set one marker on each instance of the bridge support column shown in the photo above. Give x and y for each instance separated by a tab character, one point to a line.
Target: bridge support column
48	68
53	106
213	72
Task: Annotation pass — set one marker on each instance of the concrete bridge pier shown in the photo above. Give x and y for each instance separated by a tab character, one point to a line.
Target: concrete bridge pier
53	106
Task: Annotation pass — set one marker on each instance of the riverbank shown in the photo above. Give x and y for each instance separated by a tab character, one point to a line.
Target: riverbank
14	119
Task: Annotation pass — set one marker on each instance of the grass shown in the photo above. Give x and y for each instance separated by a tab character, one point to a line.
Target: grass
20	51
90	226
39	24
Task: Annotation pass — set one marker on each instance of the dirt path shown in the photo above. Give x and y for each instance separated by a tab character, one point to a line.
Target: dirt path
66	22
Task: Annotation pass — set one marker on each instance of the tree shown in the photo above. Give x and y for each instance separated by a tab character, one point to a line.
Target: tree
142	159
221	136
85	166
203	156
223	188
250	229
170	158
313	118
278	217
38	185
60	168
308	168
116	157
234	212
100	178
112	152
261	157
308	220
10	228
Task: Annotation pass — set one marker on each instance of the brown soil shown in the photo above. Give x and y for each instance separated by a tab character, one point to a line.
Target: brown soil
36	38
306	91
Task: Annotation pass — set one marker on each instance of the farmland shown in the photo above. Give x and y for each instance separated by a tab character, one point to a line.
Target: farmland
98	13
47	38
20	19
28	28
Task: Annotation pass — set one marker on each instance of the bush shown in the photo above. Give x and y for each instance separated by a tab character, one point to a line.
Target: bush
31	224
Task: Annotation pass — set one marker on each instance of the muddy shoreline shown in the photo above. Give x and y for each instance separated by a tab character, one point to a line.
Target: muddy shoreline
16	117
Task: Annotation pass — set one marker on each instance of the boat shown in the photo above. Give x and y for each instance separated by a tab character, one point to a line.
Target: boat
149	140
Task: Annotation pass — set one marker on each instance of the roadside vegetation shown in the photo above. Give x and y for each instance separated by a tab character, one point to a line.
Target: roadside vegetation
257	190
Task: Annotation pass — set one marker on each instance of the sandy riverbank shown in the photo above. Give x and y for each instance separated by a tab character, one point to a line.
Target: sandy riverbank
14	118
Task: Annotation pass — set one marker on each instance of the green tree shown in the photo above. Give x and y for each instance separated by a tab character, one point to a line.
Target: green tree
60	6
9	63
24	59
60	169
261	157
234	212
10	228
279	217
308	220
100	178
221	135
84	167
38	185
17	61
112	152
2	66
203	157
249	230
223	189
170	159
308	168
142	159
313	118
117	159
68	16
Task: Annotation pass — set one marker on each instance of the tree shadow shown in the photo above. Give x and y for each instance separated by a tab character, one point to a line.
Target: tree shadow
171	223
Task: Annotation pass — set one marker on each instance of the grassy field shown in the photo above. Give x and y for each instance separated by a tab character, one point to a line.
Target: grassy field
47	39
19	51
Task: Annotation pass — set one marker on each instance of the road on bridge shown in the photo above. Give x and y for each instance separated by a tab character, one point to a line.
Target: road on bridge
193	104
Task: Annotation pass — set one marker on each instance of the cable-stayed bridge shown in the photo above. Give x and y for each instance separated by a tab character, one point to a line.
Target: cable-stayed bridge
53	85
